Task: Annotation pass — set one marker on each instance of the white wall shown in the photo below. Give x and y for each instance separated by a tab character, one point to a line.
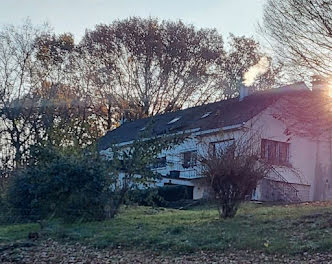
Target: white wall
305	153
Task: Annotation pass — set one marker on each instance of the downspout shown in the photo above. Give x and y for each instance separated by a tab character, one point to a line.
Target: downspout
317	172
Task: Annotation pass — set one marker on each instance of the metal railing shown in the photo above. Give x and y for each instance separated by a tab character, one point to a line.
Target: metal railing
288	192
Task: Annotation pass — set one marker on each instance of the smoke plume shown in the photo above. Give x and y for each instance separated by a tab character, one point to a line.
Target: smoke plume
255	71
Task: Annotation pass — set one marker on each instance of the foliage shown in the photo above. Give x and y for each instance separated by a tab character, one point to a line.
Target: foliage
173	193
300	32
74	183
161	196
69	185
233	174
146	197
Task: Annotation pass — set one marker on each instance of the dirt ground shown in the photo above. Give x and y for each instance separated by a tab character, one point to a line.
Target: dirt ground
49	251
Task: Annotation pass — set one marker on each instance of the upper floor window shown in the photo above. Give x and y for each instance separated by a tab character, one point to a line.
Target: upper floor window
189	159
206	115
275	152
174	120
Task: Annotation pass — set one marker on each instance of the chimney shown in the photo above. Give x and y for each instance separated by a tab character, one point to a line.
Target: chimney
244	91
123	120
319	84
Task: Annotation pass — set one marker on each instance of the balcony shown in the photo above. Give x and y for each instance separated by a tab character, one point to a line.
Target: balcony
184	174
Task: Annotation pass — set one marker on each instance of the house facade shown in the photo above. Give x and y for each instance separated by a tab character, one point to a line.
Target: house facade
301	165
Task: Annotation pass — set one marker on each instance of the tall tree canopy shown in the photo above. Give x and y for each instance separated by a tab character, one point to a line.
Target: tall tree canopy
155	67
146	67
300	32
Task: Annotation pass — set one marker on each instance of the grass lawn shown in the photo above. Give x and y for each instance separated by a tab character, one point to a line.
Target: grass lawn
271	228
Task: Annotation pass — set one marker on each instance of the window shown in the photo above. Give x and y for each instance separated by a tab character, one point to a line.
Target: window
275	152
174	120
206	115
159	163
189	159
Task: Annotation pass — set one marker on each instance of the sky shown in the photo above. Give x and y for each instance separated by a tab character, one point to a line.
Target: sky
239	17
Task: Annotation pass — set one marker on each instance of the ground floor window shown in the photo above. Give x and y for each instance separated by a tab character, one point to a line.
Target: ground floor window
189	159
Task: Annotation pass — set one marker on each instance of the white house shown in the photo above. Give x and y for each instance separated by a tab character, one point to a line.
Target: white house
301	164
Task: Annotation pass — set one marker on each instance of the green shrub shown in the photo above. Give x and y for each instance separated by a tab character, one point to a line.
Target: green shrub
172	193
160	196
4	211
146	197
69	186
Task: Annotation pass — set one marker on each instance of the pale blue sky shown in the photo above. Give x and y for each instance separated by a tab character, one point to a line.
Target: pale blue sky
236	16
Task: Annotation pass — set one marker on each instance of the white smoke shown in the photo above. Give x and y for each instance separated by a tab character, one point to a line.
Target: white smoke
255	71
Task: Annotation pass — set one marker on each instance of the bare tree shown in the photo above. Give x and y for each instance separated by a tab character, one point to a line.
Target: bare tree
17	72
40	97
52	89
300	32
155	66
233	172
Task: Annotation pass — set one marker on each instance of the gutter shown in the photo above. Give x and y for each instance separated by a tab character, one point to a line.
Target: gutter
216	130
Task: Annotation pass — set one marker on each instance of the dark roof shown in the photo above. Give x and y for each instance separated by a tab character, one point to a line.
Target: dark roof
223	113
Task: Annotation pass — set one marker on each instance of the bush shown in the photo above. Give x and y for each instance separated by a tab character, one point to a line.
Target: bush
69	186
233	174
146	197
4	209
172	193
160	196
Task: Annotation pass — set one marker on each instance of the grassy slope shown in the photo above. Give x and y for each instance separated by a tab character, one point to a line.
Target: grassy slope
282	229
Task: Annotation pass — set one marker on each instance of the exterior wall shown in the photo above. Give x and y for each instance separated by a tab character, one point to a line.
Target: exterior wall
174	159
303	192
322	183
309	159
199	191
